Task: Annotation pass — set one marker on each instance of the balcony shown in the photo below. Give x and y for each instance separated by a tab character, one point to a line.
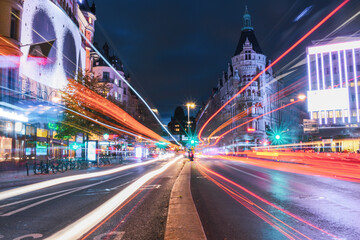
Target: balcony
250	98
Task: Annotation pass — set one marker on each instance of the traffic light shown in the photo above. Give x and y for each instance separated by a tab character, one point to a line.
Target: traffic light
277	136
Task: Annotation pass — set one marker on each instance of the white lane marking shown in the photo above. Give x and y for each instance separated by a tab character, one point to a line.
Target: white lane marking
149	187
264	179
53	182
117	235
57	196
32	235
87	222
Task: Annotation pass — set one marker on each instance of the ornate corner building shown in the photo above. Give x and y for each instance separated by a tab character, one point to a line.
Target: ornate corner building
258	98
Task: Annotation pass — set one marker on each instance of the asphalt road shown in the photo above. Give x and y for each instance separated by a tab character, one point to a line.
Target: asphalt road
39	214
239	201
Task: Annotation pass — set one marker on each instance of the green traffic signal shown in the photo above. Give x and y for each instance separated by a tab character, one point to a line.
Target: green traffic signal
277	137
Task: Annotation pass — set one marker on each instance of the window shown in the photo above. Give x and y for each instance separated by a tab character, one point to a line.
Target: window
106	76
337	114
315	115
14	24
351	68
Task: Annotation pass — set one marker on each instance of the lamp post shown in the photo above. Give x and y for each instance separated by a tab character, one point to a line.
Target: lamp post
55	99
189	105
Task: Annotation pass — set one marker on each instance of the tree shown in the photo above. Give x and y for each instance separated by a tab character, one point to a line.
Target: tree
72	122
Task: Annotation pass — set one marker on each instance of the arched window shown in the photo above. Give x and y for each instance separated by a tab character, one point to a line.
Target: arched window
249	92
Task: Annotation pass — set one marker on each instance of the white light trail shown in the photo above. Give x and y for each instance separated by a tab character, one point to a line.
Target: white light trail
87	222
41	185
131	87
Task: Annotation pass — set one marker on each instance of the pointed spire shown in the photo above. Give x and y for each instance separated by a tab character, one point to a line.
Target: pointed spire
247	20
230	70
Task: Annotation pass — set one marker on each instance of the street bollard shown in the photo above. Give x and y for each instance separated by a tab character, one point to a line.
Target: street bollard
27	169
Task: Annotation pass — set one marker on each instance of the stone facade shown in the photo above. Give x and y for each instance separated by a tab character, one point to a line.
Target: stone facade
255	100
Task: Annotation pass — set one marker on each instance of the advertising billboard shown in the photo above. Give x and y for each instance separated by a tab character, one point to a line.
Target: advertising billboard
51	44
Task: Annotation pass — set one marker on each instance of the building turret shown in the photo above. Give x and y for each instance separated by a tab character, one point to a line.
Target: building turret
247	20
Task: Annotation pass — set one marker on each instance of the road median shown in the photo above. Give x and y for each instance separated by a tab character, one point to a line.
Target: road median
183	221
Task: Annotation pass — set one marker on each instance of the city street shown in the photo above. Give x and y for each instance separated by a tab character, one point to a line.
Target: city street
169	120
41	213
241	201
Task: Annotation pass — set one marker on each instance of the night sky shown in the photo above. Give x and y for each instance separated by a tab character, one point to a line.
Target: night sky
176	51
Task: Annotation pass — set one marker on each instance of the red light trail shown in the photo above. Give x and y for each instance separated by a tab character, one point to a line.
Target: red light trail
273	63
256	209
222	135
303	163
276	96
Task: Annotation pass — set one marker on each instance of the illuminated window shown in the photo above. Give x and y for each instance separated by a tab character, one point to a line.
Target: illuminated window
352	84
345	112
322	114
353	113
331	115
315	115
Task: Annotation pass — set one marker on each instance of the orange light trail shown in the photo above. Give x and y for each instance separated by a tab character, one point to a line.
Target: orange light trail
302	163
87	98
242	124
273	63
276	96
205	169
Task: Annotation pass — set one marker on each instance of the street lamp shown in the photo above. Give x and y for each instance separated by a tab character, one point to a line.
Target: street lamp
302	97
189	105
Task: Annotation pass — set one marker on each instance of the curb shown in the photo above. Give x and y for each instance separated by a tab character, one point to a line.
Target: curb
183	221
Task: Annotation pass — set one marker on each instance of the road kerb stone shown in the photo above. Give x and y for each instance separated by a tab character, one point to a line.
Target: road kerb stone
183	221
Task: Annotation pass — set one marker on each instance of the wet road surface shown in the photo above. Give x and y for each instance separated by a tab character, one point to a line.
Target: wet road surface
39	214
240	201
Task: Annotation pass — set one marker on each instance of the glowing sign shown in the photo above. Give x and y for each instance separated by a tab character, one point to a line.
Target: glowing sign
46	26
334	47
329	99
13	115
251	129
91	150
138	152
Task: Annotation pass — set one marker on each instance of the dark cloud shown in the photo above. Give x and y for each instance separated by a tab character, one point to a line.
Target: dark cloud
176	50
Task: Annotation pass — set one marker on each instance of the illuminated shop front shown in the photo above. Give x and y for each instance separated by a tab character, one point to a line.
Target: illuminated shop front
333	75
